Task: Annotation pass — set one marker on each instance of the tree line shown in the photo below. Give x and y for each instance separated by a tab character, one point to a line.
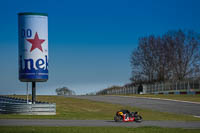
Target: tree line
173	56
65	91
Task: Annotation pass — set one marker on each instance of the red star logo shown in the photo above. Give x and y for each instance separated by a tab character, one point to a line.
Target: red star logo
36	42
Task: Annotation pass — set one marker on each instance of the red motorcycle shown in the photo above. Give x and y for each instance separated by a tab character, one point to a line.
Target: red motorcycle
127	116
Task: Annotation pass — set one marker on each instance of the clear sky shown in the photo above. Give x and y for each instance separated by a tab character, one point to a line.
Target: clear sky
90	42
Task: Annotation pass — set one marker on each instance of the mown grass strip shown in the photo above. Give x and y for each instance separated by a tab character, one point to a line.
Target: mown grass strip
7	129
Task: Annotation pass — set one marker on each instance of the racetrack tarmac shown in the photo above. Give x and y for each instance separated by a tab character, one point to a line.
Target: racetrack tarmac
154	104
96	123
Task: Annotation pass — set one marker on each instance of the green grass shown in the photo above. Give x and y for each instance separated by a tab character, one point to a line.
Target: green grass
72	108
192	98
95	130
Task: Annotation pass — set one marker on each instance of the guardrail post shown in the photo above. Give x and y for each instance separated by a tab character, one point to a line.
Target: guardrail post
27	92
33	92
199	84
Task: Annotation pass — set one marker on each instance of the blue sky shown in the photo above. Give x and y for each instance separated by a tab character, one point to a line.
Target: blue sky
90	42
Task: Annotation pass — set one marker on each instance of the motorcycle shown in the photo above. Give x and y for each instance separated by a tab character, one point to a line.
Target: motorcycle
127	116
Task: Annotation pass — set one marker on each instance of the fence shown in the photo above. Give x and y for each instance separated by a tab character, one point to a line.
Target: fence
179	86
188	87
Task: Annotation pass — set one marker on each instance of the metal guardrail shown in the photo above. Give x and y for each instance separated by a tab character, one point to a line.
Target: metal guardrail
189	87
10	105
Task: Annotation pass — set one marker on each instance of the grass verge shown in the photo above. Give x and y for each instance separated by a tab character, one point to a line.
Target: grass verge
7	129
77	109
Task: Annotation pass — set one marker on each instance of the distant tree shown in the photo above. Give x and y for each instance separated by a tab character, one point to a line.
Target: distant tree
91	94
173	56
64	91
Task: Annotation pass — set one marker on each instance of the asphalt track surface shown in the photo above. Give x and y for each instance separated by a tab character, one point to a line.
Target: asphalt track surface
96	123
178	107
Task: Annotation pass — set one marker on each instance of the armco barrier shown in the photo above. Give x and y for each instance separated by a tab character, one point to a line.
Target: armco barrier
177	93
28	109
191	92
189	87
11	105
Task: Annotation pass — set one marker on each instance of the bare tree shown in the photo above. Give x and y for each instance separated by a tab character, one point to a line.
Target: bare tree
144	60
173	56
183	53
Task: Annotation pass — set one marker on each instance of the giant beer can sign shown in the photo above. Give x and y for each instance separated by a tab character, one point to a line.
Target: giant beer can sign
33	47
